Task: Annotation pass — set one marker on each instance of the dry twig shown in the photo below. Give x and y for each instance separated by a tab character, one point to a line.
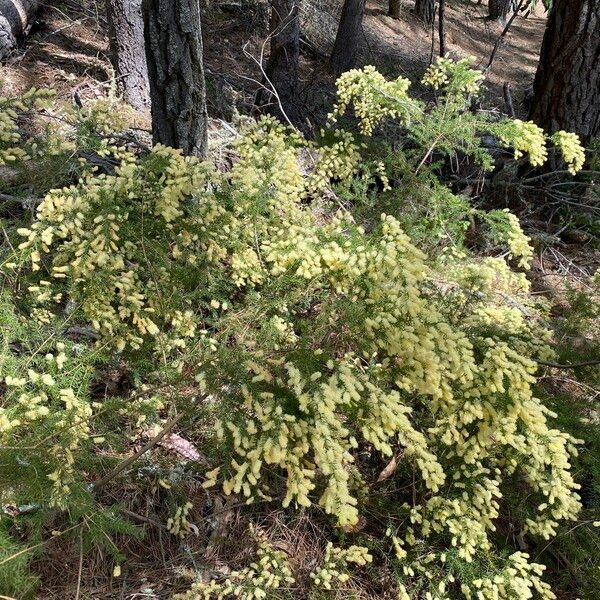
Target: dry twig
122	466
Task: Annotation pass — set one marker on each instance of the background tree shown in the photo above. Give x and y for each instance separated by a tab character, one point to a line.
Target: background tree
177	88
126	39
442	26
13	22
501	10
346	46
394	9
567	83
282	66
425	10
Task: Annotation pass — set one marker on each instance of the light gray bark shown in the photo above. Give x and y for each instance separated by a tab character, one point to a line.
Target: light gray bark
126	36
15	17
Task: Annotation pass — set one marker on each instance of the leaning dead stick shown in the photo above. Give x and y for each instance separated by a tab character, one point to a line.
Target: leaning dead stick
519	8
145	448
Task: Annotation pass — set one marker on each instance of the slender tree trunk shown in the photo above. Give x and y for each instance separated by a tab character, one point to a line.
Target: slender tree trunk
501	10
394	9
425	10
282	66
176	74
442	27
126	37
567	83
346	46
15	16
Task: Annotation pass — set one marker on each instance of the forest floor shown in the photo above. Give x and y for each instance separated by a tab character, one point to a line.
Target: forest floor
67	51
404	46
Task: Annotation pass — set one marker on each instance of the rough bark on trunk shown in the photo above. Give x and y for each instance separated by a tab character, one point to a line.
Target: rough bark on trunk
442	27
501	10
425	10
15	17
567	83
394	9
176	74
346	46
282	66
126	37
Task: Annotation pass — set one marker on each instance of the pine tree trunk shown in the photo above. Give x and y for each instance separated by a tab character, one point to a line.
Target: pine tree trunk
126	37
282	66
567	83
177	88
394	9
425	10
15	16
346	46
501	10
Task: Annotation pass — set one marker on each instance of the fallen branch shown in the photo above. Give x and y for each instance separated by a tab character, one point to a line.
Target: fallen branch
26	202
589	363
121	467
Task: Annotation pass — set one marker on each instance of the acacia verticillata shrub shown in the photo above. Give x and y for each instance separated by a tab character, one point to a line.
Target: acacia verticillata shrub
312	331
